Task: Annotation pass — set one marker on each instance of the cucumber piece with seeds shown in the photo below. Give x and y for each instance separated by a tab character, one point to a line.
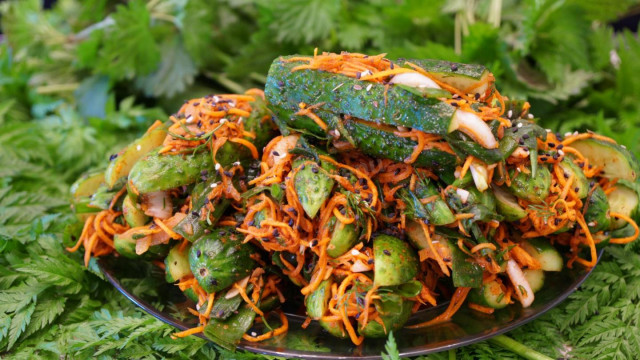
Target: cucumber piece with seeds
535	278
623	200
343	238
596	211
219	259
127	158
616	161
176	264
395	261
541	250
580	181
133	215
507	205
535	189
489	294
313	186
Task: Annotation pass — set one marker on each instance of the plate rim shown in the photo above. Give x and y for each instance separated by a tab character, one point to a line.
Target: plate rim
408	352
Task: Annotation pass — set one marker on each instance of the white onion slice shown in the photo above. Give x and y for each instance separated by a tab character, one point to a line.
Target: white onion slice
158	204
472	125
520	283
464	195
234	291
359	267
414	79
480	176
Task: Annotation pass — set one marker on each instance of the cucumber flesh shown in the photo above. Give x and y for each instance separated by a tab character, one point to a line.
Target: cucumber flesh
535	278
623	200
489	294
177	263
133	215
615	161
540	249
580	181
507	205
122	164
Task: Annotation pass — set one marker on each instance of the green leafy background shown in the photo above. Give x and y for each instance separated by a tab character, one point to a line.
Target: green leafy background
79	81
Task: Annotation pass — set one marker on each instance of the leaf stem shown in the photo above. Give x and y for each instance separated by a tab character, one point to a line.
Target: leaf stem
56	88
226	82
518	348
452	354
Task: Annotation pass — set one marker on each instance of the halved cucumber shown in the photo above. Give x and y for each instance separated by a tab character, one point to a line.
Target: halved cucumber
580	181
596	211
343	238
540	249
87	184
122	164
176	263
623	200
489	294
507	205
535	278
615	161
133	215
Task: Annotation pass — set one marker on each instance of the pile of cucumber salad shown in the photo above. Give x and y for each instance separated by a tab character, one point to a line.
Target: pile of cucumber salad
359	190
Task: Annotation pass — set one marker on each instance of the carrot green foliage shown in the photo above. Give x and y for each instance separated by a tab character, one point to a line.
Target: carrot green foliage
82	79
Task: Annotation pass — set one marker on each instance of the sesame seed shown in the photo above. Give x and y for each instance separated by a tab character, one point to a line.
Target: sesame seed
218	166
355	252
357	87
519	125
139	147
237	163
510	114
530	116
386	252
213	186
189	119
222	121
369	87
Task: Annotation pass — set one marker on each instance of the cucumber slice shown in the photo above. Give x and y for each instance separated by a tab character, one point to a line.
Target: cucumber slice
507	205
156	172
535	278
623	200
133	215
312	186
87	184
540	249
531	189
596	211
615	161
122	164
580	181
316	302
343	238
460	76
176	264
395	261
489	294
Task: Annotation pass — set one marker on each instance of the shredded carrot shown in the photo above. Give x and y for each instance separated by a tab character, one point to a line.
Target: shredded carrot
465	166
172	234
275	332
185	333
244	295
627	239
480	308
483	246
456	302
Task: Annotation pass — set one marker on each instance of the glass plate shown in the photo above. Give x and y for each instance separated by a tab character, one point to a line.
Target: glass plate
466	327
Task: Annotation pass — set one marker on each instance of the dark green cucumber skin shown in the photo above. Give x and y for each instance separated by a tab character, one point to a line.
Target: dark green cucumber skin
395	261
535	189
380	143
580	180
219	259
446	68
312	188
393	320
156	172
343	238
316	302
176	264
228	332
223	307
464	273
438	211
349	96
465	146
596	210
370	140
